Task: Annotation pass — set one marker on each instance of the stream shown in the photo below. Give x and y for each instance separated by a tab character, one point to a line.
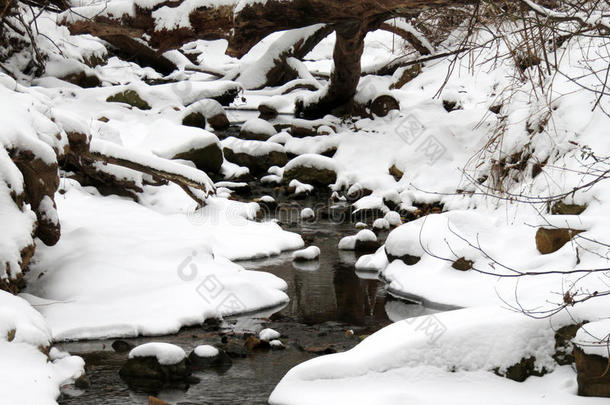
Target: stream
328	301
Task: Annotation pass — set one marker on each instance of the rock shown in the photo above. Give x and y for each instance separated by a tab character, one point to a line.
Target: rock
82	382
382	105
462	264
320	350
451	105
253	343
121	346
257	130
194	119
10	336
209	159
319	171
219	122
592	374
149	368
591	359
130	97
300	131
563	344
396	173
203	357
551	240
366	246
206	110
156	401
82	79
560	208
156	361
409	260
255	155
234	350
267	111
521	371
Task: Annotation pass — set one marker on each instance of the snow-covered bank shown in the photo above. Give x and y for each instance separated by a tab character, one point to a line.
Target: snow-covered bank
123	269
441	358
28	376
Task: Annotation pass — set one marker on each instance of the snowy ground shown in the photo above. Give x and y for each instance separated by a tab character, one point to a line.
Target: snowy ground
126	269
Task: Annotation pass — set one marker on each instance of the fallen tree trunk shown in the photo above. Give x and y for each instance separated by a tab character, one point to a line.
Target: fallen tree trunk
244	25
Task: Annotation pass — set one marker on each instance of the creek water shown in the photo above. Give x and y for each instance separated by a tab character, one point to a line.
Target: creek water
328	301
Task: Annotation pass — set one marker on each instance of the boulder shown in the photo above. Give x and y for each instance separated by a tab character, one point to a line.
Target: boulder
551	240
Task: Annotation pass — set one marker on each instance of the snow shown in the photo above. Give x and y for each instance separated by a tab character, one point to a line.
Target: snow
140	258
150	265
166	354
27	376
268	335
206	351
593	338
310	253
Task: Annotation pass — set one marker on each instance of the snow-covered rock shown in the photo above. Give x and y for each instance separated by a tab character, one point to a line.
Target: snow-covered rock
307	213
166	354
311	169
257	129
310	253
268	335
